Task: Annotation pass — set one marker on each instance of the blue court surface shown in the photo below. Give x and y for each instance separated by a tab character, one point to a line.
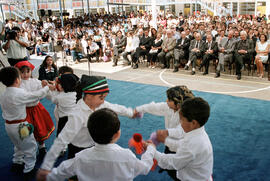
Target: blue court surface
239	129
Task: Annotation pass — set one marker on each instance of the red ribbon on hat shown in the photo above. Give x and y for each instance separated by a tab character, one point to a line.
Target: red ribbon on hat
24	63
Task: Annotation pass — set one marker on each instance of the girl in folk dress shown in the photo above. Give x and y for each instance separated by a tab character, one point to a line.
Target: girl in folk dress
36	113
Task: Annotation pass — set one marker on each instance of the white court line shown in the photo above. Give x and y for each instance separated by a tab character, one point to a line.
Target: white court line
239	92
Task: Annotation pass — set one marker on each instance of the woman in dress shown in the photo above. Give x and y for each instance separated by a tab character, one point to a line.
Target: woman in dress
262	50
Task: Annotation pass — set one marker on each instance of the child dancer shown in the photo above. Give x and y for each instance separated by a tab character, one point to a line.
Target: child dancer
36	113
170	110
13	104
194	157
109	161
75	132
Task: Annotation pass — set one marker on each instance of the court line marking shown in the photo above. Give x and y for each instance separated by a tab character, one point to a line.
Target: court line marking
239	92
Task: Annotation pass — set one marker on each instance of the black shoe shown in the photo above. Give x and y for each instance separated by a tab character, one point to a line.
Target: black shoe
217	75
238	76
29	175
115	64
186	67
135	66
42	152
17	168
200	68
129	63
175	70
193	73
205	73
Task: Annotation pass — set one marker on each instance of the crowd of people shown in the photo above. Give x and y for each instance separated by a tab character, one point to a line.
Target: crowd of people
187	41
88	126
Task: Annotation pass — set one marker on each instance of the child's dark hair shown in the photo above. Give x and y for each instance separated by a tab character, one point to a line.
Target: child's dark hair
24	68
196	109
178	94
102	125
65	69
8	75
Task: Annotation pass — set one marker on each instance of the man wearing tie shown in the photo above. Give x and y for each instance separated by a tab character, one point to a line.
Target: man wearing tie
196	50
243	52
226	49
181	50
211	50
167	46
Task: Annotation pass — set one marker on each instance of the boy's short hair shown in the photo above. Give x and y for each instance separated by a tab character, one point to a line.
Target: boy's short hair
102	125
65	69
196	109
8	75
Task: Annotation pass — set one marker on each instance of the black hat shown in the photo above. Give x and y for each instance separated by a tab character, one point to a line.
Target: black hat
179	93
68	82
94	84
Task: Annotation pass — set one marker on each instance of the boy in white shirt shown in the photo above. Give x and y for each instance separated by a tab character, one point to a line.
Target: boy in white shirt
75	133
194	157
13	104
106	161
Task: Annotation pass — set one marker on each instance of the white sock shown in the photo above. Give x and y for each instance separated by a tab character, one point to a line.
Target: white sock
189	62
193	69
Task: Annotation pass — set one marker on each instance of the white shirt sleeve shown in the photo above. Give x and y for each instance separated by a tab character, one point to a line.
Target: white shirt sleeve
177	132
28	97
158	109
63	171
144	165
119	109
175	161
172	143
71	129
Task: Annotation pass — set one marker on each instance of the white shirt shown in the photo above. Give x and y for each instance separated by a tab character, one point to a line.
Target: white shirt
76	132
15	50
104	163
193	159
65	102
30	85
92	47
13	102
162	109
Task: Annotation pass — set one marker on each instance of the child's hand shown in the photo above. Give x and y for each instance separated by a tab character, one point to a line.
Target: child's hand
44	83
162	135
147	143
137	114
42	174
51	87
51	82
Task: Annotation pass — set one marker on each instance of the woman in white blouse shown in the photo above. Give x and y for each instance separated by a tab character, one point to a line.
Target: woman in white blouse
262	50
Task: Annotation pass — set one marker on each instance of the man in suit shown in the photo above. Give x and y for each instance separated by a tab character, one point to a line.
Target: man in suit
226	50
210	52
196	50
243	52
181	50
120	45
143	49
167	46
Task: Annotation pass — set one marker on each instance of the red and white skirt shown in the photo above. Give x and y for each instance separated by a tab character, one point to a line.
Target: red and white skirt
39	117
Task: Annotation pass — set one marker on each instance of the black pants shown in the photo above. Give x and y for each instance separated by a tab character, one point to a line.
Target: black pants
12	61
139	52
206	60
240	59
61	124
171	173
